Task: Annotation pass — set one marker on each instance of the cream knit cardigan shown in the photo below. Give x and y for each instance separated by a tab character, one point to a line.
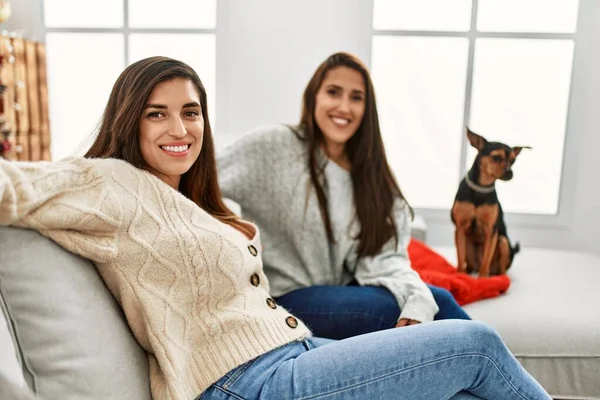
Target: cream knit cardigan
192	288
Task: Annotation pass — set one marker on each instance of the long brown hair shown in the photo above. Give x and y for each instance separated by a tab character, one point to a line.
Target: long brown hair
374	185
118	132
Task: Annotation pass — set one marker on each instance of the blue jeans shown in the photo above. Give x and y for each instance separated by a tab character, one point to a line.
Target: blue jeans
441	360
340	312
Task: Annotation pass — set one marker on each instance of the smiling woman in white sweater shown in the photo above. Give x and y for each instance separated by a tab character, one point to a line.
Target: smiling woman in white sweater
145	207
334	223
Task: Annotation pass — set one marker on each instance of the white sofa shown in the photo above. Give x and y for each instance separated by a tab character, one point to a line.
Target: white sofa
550	318
63	336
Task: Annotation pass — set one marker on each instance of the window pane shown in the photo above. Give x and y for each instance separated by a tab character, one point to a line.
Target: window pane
198	14
82	68
422	15
83	14
558	16
420	85
196	50
520	97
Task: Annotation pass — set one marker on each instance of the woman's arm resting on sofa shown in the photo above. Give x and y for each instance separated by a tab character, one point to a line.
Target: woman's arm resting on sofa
68	201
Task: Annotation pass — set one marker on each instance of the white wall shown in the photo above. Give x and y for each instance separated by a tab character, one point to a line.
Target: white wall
268	49
582	169
26	18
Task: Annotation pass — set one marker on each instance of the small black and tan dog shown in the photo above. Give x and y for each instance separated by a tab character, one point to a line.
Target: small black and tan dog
480	237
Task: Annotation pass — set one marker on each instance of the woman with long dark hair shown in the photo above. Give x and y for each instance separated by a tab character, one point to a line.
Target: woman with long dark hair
334	221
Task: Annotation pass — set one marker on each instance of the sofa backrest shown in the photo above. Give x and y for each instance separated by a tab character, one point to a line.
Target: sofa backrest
70	335
10	367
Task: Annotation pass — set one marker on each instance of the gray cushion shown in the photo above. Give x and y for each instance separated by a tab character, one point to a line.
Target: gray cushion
11	391
10	367
71	335
550	319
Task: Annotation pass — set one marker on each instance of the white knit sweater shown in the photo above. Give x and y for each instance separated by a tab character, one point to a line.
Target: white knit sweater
192	288
266	173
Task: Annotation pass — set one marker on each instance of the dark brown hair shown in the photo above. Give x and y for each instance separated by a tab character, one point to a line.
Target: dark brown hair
374	185
118	132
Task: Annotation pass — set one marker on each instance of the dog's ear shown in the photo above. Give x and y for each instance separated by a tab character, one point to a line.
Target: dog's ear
517	149
476	140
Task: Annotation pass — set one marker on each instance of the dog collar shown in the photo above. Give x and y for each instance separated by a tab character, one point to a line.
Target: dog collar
477	188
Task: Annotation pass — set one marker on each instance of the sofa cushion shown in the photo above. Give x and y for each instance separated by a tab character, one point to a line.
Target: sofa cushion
10	367
9	390
418	228
549	318
71	335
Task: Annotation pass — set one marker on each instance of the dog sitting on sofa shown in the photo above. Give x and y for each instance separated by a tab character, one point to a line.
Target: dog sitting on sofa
481	238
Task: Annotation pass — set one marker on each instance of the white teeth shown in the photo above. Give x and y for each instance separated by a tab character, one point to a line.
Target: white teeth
340	121
175	149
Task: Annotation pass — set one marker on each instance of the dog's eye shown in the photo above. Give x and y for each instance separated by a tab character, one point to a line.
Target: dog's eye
497	158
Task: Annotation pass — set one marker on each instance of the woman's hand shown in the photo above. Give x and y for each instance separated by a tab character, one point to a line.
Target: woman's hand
406	322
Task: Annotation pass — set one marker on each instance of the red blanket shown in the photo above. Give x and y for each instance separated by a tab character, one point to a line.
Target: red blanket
437	271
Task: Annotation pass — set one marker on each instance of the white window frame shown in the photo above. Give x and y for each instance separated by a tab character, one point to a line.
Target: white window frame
562	218
126	31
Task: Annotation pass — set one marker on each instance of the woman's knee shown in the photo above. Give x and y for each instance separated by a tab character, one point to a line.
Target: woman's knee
481	335
442	296
381	302
338	312
373	307
449	307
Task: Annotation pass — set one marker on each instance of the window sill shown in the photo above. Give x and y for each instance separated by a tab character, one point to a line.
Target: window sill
559	221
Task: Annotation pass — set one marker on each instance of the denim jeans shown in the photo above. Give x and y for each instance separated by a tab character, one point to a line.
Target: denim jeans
339	312
449	359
